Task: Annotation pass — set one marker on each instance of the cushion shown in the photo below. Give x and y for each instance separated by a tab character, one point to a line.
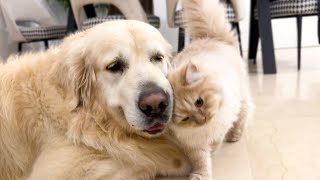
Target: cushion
88	23
39	32
283	8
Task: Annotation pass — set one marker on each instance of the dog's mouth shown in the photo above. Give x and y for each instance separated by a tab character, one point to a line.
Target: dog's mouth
155	128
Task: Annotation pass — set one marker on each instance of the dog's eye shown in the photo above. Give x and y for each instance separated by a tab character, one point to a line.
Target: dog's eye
199	102
157	58
117	66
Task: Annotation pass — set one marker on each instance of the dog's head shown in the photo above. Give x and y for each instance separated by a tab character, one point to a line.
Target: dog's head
122	66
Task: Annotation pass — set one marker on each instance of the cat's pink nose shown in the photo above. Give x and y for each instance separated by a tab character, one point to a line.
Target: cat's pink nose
153	103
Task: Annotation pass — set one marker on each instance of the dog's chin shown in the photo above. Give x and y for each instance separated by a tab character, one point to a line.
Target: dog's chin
154	130
146	134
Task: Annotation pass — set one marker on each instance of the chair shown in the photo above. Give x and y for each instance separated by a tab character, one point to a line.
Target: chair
262	11
175	20
28	21
130	9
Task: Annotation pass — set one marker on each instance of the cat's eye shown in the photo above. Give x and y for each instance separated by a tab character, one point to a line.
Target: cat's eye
157	57
199	102
185	119
117	66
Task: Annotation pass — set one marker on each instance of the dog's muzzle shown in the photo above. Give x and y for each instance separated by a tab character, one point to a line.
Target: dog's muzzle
154	103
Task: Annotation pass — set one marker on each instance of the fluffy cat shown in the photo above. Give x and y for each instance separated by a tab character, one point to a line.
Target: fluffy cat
211	88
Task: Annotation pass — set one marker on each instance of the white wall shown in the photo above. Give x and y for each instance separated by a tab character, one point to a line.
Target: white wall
171	34
5	44
284	30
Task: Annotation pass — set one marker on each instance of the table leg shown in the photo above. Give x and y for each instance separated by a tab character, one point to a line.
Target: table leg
265	31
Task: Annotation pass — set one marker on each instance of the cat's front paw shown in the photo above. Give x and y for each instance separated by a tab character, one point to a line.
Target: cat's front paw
195	176
234	134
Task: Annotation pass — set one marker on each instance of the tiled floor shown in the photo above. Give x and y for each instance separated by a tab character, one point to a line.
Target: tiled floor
283	139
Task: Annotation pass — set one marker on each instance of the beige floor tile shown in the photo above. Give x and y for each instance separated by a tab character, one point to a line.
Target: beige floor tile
231	162
283	139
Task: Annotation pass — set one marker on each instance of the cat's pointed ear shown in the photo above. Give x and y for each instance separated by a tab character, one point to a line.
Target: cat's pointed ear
193	73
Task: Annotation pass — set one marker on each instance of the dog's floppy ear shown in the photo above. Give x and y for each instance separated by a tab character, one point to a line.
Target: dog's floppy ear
73	73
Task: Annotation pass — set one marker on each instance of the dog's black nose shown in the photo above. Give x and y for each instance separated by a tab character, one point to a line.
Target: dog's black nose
153	101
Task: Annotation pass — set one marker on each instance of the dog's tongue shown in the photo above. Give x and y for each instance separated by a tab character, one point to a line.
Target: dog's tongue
155	127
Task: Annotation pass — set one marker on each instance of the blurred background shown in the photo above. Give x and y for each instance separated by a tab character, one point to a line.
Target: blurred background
278	39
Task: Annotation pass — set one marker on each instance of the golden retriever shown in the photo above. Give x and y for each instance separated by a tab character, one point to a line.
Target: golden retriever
92	108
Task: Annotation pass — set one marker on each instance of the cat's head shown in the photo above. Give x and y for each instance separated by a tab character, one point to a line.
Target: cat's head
197	95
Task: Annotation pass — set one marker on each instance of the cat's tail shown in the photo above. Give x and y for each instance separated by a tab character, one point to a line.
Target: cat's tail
207	19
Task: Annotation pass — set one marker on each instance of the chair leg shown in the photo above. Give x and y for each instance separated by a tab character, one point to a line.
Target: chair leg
90	11
239	37
71	22
181	39
233	25
46	44
265	31
20	47
253	34
319	28
319	21
299	30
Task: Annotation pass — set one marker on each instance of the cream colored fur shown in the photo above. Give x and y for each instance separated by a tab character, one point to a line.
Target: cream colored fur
212	68
64	116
